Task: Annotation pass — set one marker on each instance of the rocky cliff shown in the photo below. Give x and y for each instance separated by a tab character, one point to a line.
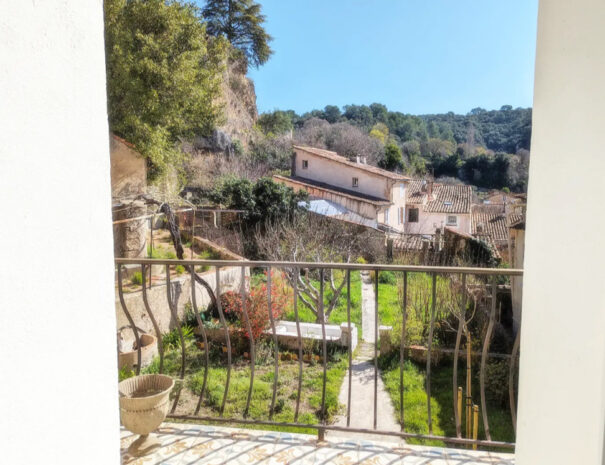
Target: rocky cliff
238	100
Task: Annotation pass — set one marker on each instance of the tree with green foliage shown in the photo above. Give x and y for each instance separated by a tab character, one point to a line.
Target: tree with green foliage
241	23
360	115
332	114
380	131
163	77
275	123
393	159
263	200
380	112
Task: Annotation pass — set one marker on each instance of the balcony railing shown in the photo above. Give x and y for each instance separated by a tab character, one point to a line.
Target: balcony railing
444	301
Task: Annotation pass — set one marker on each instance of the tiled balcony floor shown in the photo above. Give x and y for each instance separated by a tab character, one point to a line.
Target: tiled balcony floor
187	444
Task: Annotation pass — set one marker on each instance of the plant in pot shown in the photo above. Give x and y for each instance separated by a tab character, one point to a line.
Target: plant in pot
143	407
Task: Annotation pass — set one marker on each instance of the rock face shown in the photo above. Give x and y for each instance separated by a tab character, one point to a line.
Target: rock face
238	100
130	237
219	142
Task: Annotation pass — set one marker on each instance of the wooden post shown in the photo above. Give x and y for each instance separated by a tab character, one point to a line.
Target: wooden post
469	382
460	404
475	424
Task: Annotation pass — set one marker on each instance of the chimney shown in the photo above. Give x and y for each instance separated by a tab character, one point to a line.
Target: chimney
430	190
357	159
365	161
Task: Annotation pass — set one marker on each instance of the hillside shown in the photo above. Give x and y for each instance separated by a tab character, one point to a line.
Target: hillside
488	149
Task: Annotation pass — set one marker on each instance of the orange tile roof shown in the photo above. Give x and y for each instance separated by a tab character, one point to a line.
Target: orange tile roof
124	141
345	161
516	220
450	199
489	220
414	192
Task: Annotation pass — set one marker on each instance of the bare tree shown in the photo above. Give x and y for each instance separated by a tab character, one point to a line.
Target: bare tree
344	138
308	237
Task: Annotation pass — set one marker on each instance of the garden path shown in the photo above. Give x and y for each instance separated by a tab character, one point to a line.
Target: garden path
362	396
368	308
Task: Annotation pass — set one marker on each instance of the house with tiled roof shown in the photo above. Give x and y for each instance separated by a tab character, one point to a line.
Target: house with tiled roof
489	221
430	206
374	196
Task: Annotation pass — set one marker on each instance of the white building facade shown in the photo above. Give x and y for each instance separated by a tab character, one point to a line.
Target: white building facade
374	193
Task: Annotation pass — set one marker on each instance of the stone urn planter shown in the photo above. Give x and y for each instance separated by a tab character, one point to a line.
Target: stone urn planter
144	402
149	349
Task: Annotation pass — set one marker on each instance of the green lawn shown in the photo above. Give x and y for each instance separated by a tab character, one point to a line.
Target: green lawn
339	314
415	399
442	408
312	380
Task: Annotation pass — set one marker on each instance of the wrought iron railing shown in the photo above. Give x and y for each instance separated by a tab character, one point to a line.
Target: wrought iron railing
487	279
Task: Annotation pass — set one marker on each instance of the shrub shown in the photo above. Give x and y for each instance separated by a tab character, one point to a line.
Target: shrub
180	269
257	307
387	277
136	278
496	381
125	373
172	339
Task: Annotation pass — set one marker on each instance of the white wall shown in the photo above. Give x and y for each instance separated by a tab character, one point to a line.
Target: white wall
562	379
338	174
58	394
397	196
427	222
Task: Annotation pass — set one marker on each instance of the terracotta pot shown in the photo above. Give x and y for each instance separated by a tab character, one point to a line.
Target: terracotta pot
144	403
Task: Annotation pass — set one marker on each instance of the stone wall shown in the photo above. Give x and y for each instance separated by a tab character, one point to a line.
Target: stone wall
181	292
130	237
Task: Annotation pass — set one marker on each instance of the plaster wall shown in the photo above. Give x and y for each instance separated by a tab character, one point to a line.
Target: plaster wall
428	222
58	395
517	252
397	196
561	417
157	297
128	170
340	175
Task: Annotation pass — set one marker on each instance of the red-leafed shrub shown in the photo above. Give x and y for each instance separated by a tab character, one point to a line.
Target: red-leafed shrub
257	306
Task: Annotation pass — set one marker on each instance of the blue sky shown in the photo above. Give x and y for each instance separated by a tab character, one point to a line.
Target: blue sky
415	56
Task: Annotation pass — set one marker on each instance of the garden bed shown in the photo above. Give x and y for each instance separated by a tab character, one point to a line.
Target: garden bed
312	376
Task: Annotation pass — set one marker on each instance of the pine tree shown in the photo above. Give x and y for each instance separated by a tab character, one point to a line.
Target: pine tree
241	22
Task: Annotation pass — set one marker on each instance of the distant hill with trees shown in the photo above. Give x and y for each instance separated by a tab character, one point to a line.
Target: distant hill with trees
488	149
176	74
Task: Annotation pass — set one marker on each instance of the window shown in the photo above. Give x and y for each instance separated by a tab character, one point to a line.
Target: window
402	190
413	215
452	220
305	164
386	217
400	215
355	182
